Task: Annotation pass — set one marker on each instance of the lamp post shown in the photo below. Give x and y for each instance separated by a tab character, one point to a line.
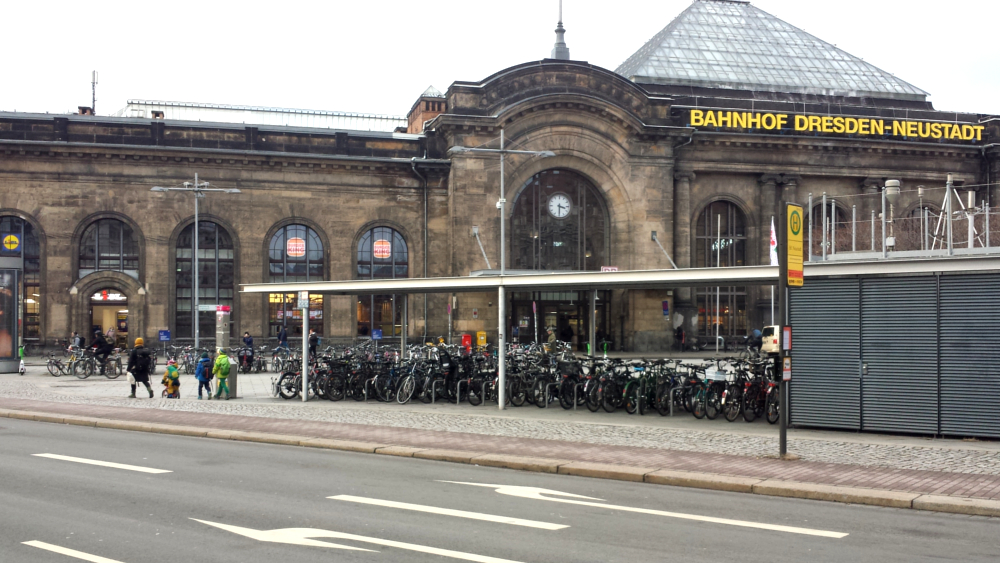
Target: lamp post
502	206
198	189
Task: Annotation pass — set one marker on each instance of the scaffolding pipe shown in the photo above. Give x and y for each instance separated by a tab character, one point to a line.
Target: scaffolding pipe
833	226
885	251
986	207
823	249
947	194
810	253
873	230
854	228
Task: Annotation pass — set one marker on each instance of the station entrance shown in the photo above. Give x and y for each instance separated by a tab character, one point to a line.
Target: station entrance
563	312
109	316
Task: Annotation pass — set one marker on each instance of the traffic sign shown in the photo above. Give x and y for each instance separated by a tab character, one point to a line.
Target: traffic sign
303	300
11	243
793	245
203	307
164	336
377	334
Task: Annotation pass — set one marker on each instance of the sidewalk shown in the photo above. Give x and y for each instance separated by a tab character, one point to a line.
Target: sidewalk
888	471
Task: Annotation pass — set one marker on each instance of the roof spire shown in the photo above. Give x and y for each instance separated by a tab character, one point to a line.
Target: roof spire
560	50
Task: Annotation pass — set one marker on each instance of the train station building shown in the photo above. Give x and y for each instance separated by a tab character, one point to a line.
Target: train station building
682	154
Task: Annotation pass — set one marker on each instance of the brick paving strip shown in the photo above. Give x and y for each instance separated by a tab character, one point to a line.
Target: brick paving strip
941	491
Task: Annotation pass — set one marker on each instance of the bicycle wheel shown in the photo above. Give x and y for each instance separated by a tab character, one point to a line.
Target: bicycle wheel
610	396
475	394
631	397
733	404
287	388
80	369
750	402
698	403
336	387
592	393
111	370
773	406
54	368
566	394
275	364
538	393
406	388
516	392
713	402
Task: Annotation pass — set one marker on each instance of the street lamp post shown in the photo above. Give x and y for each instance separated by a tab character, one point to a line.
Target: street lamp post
501	301
198	189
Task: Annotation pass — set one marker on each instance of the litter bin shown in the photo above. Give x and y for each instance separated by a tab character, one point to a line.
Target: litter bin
467	341
481	338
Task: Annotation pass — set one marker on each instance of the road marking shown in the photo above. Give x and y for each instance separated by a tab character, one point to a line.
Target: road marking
451	512
103	463
536	494
300	536
70	552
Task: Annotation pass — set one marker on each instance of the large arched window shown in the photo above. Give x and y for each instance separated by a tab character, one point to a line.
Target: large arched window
382	254
216	276
720	241
109	244
20	241
559	222
295	254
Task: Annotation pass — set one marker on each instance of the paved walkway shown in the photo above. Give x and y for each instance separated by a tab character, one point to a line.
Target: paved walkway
942	467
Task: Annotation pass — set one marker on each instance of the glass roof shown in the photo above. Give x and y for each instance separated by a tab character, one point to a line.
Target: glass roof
732	44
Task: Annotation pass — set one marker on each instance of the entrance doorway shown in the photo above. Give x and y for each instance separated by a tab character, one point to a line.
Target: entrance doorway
564	312
109	315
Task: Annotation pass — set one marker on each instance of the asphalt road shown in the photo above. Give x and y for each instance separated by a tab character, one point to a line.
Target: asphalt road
221	500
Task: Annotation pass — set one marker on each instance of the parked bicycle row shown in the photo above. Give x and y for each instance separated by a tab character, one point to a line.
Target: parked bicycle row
542	376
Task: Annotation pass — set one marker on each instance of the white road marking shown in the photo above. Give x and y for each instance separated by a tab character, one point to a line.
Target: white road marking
70	552
300	536
103	463
451	512
536	494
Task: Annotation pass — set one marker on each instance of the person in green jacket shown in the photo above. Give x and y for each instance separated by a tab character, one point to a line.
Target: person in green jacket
171	380
221	371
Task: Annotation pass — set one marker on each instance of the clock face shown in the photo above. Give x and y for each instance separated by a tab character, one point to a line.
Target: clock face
559	206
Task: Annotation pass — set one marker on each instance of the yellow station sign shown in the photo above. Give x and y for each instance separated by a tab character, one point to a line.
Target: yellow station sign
794	245
11	242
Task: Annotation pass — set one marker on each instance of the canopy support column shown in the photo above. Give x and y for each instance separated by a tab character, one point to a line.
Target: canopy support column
501	348
592	319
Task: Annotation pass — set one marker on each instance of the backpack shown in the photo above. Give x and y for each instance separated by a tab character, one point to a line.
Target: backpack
143	362
224	368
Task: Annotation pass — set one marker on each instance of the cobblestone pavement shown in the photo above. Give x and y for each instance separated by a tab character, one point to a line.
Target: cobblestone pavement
903	457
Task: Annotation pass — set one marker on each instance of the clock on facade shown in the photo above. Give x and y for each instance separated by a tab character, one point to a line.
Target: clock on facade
559	206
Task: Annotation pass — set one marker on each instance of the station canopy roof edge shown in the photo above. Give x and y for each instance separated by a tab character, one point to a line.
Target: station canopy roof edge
631	279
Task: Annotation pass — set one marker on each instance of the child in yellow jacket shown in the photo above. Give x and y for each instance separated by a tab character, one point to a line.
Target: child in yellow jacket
171	380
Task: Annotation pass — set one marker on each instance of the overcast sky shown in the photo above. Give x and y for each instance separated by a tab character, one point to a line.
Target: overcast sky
378	56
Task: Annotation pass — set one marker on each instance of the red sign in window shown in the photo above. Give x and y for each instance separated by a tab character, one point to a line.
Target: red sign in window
382	249
295	247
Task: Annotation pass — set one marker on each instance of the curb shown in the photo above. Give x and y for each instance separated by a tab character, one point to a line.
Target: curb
688	479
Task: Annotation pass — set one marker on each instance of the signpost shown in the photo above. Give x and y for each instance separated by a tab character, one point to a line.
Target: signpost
790	254
164	338
303	304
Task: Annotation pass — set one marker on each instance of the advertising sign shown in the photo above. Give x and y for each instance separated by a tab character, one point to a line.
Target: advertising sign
666	309
786	369
382	249
295	247
11	243
794	245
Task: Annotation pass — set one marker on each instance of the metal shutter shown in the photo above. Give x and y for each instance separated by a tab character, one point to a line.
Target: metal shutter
970	345
899	344
826	363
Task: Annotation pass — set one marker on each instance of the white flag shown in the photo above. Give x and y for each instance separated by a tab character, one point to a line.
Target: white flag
774	245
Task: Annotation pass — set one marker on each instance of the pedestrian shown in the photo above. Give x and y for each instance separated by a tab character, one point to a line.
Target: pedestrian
679	338
313	343
283	338
552	335
140	363
248	346
76	340
221	372
171	380
203	373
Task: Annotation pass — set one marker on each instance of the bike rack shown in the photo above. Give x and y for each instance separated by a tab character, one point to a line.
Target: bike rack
458	390
675	390
367	381
547	395
434	385
576	389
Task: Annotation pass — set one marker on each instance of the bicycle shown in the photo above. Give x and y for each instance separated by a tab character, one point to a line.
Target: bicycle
58	367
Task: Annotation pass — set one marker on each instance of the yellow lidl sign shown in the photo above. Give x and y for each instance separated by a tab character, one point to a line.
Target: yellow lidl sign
11	242
794	245
834	125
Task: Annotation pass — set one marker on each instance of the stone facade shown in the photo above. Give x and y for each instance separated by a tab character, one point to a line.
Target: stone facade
632	141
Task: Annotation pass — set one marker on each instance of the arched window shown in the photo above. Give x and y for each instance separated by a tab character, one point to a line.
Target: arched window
24	244
559	222
382	254
295	254
721	240
216	276
109	244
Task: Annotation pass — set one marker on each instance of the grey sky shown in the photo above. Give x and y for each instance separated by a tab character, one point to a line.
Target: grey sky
378	56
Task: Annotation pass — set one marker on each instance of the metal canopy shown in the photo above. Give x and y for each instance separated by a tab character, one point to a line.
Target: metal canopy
633	279
638	279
